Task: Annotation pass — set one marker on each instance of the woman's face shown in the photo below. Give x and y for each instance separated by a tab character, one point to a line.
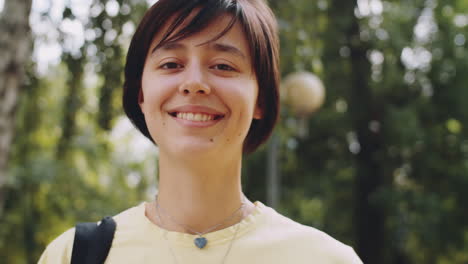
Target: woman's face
200	97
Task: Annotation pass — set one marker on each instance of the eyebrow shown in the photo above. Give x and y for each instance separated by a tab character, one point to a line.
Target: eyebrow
169	46
215	46
228	49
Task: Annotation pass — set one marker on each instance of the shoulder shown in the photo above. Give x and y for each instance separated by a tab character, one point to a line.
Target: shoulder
130	222
309	240
59	250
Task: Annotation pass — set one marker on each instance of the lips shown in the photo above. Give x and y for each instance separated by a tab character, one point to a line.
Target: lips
196	113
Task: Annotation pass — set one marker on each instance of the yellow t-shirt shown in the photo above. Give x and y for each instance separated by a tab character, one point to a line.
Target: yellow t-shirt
264	236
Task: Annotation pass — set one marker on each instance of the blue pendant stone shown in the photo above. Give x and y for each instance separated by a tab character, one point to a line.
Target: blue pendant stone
200	242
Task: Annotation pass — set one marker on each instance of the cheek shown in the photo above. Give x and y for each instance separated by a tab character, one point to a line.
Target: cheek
155	92
239	94
248	94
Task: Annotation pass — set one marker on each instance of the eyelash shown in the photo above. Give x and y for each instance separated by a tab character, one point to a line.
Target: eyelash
221	66
166	66
229	68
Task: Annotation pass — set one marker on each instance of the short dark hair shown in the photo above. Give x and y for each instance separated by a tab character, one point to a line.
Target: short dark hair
259	26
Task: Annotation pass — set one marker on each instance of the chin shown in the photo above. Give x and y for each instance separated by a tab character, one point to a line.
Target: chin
192	149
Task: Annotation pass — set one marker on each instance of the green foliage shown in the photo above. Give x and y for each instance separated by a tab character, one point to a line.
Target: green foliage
67	165
417	112
64	167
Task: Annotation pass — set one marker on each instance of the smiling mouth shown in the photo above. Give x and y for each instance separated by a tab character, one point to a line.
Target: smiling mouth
197	117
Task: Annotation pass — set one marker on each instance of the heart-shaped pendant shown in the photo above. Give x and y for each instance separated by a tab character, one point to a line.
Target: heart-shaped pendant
200	242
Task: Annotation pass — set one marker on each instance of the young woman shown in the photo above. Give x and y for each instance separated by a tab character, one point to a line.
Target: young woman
201	82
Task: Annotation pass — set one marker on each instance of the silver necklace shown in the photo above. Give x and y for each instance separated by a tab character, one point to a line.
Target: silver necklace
172	250
200	241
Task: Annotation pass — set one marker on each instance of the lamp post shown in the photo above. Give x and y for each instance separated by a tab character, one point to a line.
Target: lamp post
304	93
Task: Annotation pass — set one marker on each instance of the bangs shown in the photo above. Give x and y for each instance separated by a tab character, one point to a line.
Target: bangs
206	14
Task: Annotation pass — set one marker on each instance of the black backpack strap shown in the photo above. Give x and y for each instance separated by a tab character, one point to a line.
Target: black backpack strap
92	242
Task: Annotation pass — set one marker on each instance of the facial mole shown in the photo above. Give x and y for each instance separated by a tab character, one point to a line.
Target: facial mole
164	123
211	140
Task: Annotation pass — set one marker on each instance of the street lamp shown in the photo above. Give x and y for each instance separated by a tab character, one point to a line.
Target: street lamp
304	93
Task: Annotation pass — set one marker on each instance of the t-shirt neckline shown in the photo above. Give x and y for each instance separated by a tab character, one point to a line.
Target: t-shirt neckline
215	238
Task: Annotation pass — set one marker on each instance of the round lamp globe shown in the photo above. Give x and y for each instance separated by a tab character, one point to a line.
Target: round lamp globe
304	92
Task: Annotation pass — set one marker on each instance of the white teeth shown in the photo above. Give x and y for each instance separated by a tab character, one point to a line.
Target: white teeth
199	117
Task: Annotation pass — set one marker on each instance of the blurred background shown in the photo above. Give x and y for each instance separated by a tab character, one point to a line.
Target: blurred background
381	163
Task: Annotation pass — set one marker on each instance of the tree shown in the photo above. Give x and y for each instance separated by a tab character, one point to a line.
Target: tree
384	166
15	51
391	133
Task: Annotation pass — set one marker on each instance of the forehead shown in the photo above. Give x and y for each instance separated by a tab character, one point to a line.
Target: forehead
217	30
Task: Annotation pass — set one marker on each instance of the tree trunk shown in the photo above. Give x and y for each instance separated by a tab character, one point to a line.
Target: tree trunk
369	214
369	218
364	109
73	102
15	51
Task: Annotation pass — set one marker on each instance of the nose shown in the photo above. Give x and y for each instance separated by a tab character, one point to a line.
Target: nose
194	82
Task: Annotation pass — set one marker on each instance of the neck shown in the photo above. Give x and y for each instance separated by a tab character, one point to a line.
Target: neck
200	194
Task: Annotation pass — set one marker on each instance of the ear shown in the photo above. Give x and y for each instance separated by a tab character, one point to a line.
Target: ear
258	112
141	100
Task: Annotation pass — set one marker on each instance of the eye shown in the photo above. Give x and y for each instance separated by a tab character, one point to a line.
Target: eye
223	67
171	65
